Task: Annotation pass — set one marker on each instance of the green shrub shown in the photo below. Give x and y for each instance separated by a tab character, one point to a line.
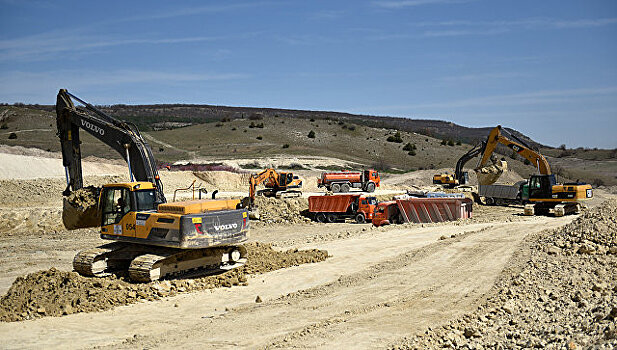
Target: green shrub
260	138
12	136
396	138
286	145
311	134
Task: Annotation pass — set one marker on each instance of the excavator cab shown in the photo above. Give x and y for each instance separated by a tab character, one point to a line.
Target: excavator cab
541	186
117	200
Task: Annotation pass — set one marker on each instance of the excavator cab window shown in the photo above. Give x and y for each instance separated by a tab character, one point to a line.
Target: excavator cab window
115	203
145	200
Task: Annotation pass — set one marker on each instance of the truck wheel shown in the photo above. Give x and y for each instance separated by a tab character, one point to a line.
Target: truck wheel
336	188
370	187
331	218
345	188
320	217
360	218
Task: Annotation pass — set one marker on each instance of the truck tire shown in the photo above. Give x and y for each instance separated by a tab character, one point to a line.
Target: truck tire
360	218
370	187
344	188
320	217
331	218
336	188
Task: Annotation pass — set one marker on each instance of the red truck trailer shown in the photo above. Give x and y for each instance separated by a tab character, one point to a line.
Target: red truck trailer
333	208
422	210
343	181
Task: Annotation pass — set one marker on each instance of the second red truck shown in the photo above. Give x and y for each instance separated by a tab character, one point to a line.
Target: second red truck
335	208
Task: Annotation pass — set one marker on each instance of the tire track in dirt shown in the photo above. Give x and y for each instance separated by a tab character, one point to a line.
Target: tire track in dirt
375	305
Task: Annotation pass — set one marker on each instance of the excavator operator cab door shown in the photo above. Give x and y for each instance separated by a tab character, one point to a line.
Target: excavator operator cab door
115	203
118	211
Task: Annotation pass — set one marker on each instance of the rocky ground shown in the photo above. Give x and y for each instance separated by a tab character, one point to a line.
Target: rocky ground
560	291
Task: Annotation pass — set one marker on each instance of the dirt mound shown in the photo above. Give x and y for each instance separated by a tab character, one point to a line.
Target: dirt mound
281	210
223	180
55	293
556	294
30	220
26	193
81	209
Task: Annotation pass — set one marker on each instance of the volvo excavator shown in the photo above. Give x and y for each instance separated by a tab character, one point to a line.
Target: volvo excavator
275	183
543	195
152	239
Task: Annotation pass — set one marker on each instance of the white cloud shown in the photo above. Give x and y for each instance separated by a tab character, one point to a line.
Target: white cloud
42	46
28	86
413	3
519	99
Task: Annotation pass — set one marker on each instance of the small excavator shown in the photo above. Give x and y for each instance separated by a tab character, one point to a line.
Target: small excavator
276	184
544	193
152	239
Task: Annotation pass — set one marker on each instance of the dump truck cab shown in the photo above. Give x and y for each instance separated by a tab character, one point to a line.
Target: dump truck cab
372	175
387	213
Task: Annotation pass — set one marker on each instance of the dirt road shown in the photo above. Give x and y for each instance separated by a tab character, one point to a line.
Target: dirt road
378	286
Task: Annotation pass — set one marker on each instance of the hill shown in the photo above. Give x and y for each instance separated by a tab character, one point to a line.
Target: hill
203	133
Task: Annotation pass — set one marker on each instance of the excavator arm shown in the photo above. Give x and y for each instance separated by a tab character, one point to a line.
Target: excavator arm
497	136
472	153
124	137
268	176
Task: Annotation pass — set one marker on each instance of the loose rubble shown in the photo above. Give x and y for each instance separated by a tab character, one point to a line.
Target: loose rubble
56	293
561	294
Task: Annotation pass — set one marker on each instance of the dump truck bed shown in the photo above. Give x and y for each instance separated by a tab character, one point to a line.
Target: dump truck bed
331	204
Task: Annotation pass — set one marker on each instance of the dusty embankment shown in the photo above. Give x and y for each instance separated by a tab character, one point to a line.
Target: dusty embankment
560	291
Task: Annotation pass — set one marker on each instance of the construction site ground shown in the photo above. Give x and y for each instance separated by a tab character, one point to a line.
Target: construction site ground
379	287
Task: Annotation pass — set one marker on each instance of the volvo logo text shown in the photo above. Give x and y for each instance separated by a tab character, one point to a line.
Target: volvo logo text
225	227
93	127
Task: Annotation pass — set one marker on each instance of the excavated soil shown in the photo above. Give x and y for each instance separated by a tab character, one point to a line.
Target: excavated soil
55	293
489	174
81	209
281	210
559	292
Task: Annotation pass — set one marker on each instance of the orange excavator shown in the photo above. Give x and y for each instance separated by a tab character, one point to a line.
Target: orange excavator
276	184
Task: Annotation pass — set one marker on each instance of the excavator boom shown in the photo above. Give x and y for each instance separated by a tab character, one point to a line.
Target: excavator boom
499	135
124	137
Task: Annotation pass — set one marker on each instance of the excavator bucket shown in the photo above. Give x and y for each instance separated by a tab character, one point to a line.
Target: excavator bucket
80	208
489	174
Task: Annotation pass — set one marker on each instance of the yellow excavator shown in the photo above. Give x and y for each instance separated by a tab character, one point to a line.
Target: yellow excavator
276	184
152	239
542	194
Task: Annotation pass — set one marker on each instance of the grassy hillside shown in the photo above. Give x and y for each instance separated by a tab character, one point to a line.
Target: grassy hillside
261	134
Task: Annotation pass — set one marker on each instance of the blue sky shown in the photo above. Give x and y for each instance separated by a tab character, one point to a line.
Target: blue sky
547	68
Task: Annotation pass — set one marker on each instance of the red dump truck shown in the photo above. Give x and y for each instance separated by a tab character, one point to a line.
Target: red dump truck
343	181
422	210
333	208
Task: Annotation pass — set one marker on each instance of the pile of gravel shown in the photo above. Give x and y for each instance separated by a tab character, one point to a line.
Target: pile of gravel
558	296
56	293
